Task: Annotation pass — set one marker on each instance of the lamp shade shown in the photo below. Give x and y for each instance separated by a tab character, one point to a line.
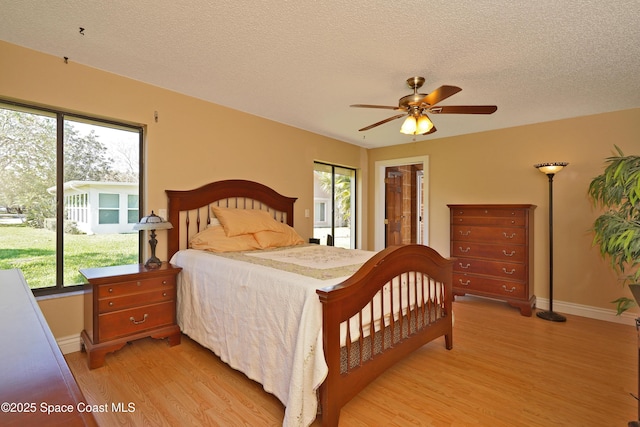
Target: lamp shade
550	168
424	125
152	222
409	126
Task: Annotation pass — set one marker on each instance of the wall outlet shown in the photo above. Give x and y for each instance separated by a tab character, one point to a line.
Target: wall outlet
306	213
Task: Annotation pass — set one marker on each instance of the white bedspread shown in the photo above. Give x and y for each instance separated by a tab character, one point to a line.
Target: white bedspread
264	322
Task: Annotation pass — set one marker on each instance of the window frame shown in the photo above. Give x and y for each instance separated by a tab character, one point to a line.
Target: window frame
61	115
331	202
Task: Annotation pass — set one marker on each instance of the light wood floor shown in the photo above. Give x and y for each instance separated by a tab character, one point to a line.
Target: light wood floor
504	370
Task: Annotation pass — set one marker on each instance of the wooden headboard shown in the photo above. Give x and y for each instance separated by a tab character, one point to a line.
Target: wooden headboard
189	211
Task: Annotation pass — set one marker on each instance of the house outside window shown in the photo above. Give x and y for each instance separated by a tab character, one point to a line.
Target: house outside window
108	208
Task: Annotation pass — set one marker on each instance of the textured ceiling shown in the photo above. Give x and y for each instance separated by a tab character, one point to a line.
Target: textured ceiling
304	62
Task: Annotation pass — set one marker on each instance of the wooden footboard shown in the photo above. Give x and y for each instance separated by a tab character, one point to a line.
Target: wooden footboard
414	283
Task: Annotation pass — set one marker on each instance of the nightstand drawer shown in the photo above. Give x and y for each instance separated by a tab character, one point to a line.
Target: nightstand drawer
127	322
135	286
106	305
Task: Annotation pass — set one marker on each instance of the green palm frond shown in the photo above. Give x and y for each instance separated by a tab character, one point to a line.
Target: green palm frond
617	231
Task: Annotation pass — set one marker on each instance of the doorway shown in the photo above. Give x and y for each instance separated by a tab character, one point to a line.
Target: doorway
408	199
403	204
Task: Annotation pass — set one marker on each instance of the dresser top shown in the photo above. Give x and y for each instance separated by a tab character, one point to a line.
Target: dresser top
493	206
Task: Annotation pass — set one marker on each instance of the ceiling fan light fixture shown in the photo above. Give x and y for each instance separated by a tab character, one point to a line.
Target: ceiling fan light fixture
424	124
416	125
409	126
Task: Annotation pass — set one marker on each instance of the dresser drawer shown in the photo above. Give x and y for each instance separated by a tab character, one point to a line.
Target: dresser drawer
127	322
135	286
106	305
495	287
518	221
487	212
508	253
503	270
489	234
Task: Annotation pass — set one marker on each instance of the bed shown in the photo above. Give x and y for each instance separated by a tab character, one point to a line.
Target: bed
318	336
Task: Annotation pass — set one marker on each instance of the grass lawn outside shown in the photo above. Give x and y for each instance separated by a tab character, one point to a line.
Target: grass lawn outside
33	250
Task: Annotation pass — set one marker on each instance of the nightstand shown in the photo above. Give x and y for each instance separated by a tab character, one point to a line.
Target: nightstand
125	303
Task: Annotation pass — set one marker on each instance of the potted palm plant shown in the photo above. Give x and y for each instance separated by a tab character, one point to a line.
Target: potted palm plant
617	230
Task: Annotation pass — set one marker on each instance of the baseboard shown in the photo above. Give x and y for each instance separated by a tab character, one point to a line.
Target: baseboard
626	318
69	344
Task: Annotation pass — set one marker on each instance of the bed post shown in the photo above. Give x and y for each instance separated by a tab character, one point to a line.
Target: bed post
329	400
173	236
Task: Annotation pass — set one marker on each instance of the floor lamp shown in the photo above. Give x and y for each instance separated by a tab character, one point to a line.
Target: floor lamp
550	169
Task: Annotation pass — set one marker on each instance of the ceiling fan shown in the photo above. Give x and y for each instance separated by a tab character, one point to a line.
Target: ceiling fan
416	106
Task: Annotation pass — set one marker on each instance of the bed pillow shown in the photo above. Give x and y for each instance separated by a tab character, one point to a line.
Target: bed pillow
213	222
285	236
214	239
244	221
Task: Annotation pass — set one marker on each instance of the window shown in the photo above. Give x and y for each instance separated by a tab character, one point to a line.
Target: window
133	213
69	193
108	208
334	205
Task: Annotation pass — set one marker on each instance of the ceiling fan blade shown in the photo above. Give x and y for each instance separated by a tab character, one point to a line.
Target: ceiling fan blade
464	109
385	107
382	122
440	94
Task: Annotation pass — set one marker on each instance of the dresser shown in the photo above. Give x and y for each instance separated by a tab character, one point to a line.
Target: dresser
36	385
125	303
493	247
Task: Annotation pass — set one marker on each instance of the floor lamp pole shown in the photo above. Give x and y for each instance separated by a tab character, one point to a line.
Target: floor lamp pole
550	170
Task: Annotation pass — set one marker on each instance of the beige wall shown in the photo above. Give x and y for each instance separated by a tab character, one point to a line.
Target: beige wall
497	167
193	143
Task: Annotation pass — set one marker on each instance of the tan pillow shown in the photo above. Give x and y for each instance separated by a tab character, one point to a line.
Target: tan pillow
244	221
286	236
214	239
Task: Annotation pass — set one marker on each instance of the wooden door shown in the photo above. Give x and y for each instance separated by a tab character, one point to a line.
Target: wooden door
393	207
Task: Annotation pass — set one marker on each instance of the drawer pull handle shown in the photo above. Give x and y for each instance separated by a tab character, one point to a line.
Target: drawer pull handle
464	250
513	270
513	289
138	283
465	233
506	254
110	290
110	303
137	322
164	282
467	283
509	237
164	294
465	266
